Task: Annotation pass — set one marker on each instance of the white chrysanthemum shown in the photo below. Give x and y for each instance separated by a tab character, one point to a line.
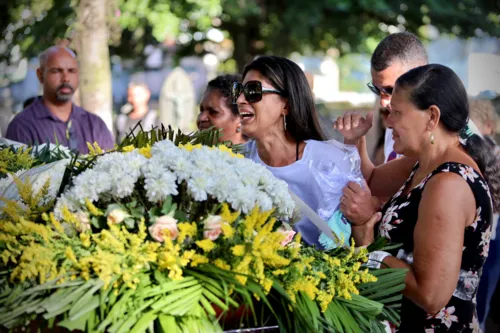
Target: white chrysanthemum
207	173
264	201
160	188
200	186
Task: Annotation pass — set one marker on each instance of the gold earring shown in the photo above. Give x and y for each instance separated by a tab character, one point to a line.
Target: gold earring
432	138
284	121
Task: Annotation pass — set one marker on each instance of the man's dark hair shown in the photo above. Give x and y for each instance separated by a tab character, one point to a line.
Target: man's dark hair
223	84
402	47
288	77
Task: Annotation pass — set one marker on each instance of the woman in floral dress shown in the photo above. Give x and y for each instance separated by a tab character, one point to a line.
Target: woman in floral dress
442	196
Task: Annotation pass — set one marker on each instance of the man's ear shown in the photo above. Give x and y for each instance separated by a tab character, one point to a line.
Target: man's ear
39	74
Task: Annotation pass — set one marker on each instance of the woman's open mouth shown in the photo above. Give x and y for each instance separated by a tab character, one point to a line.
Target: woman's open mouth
246	115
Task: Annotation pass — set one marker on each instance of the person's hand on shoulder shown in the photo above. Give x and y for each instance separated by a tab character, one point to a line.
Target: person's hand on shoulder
353	126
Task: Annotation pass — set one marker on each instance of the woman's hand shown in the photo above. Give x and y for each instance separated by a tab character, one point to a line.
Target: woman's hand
364	234
357	203
353	126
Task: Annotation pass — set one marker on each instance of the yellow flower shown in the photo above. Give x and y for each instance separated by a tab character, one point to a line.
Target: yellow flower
227	230
189	147
186	257
324	298
85	238
267	284
238	250
92	208
186	229
94	150
145	151
128	148
228	150
222	264
226	214
70	254
54	222
206	245
98	149
279	272
198	259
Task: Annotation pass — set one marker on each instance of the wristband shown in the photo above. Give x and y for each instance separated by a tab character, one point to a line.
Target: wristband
375	259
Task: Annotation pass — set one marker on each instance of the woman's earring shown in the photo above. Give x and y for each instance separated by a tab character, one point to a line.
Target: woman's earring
284	121
238	129
432	138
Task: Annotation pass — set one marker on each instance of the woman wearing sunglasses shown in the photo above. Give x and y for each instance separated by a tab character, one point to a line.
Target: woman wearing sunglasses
217	109
277	111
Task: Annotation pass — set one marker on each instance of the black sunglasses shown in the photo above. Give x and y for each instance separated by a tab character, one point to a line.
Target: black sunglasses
252	90
379	91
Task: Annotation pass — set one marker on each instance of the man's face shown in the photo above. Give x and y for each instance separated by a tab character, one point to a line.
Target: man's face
385	80
59	76
138	95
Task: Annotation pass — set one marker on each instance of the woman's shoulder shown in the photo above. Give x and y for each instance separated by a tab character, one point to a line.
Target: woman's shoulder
459	176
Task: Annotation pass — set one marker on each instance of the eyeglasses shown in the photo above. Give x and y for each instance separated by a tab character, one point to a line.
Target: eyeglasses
379	91
252	90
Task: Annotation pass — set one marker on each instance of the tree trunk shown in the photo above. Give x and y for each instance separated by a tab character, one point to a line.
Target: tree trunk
93	55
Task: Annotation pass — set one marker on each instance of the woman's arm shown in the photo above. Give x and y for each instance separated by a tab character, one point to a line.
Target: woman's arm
384	180
446	208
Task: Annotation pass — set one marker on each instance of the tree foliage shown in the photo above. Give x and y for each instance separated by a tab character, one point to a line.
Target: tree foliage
283	26
30	26
255	27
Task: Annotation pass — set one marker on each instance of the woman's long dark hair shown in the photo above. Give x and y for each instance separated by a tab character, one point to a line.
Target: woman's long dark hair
285	75
438	85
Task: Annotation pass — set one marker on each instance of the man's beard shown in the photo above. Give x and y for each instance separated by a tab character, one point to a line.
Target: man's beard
61	97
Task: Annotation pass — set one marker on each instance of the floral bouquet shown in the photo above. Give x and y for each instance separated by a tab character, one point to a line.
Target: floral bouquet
173	233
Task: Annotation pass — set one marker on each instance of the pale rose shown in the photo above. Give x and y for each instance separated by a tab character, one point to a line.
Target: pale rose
213	227
289	233
116	216
164	222
84	221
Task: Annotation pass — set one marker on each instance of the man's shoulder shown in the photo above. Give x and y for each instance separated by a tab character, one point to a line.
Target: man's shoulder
27	116
92	117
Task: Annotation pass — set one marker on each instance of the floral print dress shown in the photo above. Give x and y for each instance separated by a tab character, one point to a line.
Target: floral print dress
400	216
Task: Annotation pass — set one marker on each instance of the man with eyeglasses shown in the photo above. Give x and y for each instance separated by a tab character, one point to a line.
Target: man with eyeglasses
395	55
53	117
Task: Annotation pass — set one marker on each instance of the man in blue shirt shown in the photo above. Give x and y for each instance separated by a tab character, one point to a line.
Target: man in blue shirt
53	117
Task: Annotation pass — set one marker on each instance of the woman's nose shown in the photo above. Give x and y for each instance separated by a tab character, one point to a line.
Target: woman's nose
241	99
203	116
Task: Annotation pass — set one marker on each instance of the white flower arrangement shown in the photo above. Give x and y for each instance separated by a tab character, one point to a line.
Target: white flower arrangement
207	172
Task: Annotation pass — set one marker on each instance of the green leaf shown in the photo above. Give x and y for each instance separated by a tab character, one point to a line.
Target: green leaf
78	324
82	302
175	295
144	322
168	324
167	205
129	223
91	305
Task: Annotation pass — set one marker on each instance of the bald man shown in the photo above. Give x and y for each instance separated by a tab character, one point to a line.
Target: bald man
53	117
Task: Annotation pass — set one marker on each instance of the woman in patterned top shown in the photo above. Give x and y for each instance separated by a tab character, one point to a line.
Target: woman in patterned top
443	192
